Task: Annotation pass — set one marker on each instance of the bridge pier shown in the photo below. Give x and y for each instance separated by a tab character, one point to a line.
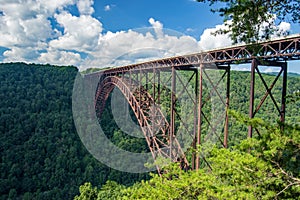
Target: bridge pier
172	109
227	107
204	82
199	121
268	90
252	87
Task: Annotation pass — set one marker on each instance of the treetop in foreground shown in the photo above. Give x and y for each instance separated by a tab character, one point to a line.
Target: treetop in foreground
252	20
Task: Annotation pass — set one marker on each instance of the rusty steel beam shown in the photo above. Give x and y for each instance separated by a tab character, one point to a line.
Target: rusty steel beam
196	92
251	102
199	115
172	109
283	97
227	107
142	104
158	86
268	92
283	49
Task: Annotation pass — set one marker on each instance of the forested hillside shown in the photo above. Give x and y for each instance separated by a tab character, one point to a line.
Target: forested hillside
41	154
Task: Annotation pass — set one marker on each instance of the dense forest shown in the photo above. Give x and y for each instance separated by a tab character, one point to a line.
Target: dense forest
42	156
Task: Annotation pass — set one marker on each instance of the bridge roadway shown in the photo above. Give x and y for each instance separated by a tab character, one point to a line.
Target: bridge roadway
274	53
281	49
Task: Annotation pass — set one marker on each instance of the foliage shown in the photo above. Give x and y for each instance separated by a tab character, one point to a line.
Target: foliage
87	191
264	168
249	21
41	155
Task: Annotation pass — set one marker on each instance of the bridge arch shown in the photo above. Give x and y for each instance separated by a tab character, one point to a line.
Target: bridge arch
153	123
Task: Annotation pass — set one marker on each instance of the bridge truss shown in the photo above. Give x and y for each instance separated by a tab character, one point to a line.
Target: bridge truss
144	87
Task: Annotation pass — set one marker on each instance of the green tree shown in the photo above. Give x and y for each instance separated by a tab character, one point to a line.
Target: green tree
87	192
251	20
258	168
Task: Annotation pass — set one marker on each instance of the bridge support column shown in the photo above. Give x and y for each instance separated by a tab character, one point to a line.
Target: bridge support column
284	86
158	86
153	86
199	119
195	118
252	86
173	106
227	107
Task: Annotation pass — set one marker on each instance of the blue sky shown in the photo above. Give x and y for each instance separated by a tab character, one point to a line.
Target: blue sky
96	33
185	16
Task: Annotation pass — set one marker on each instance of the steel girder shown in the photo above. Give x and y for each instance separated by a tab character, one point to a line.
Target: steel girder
156	129
275	50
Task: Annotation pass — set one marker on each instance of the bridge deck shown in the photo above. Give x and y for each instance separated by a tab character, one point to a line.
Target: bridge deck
282	49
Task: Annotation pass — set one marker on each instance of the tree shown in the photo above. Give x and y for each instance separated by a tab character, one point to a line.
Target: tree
252	20
258	168
87	192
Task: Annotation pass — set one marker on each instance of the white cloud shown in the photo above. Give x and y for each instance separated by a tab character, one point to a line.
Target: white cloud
11	32
107	8
139	45
210	41
157	25
80	33
25	28
283	28
85	7
60	58
189	30
53	5
17	54
36	29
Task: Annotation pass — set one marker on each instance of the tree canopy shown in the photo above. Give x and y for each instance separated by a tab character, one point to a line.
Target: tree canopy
252	20
269	171
41	155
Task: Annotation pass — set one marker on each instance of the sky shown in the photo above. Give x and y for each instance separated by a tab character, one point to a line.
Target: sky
102	33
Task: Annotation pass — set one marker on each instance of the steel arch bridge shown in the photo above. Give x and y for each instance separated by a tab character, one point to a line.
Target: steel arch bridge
142	86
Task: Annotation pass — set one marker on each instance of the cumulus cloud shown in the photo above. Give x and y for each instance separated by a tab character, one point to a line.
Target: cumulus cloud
157	25
85	7
25	28
210	41
47	32
80	33
18	54
60	58
283	28
125	47
53	5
